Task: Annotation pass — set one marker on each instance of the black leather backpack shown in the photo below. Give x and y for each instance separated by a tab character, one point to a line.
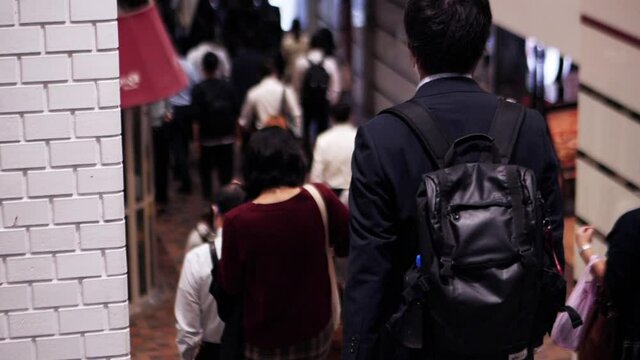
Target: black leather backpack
482	269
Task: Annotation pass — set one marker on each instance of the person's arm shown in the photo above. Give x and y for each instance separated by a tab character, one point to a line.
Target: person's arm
584	238
299	70
291	101
246	114
319	163
373	235
187	312
335	85
550	189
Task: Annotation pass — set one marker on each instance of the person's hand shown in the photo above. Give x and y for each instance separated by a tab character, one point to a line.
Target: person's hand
168	116
584	236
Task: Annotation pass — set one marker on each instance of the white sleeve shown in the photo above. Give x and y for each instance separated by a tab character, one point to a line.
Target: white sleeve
335	85
246	114
298	73
317	169
187	312
295	111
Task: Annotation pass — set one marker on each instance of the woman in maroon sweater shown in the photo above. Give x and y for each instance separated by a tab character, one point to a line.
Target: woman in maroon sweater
273	253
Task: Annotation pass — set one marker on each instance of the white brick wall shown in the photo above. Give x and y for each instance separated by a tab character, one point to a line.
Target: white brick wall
19	40
47	126
111	150
55	294
104	179
108	93
65	153
38	11
52	239
8	70
68	38
13	242
22	156
45	68
7	12
82	319
78	265
32	323
50	182
11	185
20	98
72	96
107	35
59	347
10	128
63	262
97	123
74	210
95	66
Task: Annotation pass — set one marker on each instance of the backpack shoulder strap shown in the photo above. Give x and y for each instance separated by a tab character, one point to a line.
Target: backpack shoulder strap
214	254
433	139
505	127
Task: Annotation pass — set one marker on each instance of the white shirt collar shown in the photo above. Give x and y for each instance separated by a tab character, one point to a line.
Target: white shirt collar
431	78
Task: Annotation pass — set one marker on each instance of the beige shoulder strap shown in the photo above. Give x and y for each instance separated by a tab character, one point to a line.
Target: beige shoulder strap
335	299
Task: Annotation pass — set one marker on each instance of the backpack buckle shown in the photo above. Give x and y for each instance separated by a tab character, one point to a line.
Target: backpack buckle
527	257
447	264
422	284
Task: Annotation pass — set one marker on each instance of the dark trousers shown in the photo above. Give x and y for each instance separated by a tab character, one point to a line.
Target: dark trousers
220	158
208	351
180	136
161	162
315	122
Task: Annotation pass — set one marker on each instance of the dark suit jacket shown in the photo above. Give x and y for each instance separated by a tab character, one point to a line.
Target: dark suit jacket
388	162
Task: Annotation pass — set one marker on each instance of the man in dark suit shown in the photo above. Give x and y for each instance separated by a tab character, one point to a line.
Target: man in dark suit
446	39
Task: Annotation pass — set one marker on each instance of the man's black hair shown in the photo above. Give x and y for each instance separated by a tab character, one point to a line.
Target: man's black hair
230	196
323	39
210	63
340	112
316	42
447	35
273	158
270	65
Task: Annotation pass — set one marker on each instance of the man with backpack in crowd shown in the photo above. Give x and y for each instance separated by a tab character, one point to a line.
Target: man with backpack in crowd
215	112
456	248
316	78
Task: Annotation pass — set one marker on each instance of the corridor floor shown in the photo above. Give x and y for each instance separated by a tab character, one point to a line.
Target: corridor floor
152	322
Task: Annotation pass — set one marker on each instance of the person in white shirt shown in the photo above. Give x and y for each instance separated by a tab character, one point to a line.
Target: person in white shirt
270	97
318	53
195	56
332	153
295	44
197	322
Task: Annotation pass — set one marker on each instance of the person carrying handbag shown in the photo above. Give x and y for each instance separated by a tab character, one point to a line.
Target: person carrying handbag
277	253
613	330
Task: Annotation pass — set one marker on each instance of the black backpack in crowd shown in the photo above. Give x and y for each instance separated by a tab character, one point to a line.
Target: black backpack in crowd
477	285
220	117
315	85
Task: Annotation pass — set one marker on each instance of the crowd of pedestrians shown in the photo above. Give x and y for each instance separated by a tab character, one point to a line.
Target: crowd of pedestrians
447	206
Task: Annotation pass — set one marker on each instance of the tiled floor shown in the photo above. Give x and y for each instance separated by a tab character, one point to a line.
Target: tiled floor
152	322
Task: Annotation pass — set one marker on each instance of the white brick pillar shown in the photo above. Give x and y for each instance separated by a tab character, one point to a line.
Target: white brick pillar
63	268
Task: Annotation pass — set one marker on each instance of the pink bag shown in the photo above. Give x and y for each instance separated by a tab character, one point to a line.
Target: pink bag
565	333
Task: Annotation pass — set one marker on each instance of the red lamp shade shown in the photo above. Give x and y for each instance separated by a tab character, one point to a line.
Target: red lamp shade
149	67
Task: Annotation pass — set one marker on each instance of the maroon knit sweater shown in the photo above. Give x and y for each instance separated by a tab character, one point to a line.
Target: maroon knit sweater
274	254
